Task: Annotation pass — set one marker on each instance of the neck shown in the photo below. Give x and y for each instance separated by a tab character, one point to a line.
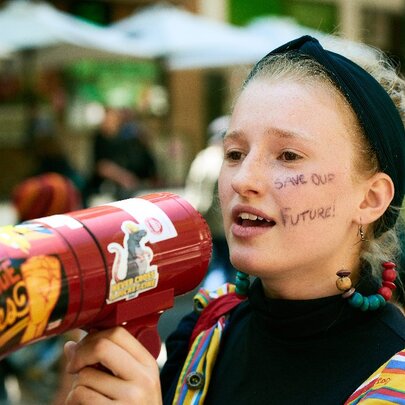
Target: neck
305	284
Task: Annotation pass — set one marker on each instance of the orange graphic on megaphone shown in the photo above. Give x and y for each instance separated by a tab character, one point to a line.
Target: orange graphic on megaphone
43	280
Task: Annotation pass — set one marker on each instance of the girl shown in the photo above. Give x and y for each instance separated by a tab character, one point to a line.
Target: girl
312	178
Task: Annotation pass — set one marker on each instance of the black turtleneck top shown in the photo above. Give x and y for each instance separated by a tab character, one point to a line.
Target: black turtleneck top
291	352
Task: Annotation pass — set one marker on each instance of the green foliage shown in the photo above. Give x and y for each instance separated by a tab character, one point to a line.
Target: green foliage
242	11
320	16
313	14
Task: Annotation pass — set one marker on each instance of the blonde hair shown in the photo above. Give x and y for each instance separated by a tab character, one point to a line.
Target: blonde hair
385	247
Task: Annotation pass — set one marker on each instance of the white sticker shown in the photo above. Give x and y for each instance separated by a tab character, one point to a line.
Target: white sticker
56	221
150	217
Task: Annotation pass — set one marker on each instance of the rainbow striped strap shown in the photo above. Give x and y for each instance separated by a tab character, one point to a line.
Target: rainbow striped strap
386	385
195	376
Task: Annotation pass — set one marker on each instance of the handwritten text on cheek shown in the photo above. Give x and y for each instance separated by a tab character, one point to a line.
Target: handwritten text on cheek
292	219
298	179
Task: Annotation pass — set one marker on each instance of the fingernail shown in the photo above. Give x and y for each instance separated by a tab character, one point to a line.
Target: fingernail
69	349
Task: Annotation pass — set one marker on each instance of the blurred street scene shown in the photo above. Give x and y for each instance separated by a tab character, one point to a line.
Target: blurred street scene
130	97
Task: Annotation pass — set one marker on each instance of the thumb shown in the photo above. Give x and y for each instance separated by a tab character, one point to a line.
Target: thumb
70	350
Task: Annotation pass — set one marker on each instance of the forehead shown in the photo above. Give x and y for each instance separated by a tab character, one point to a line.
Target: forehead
292	106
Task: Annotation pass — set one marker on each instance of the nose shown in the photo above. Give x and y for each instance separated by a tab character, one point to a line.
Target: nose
252	176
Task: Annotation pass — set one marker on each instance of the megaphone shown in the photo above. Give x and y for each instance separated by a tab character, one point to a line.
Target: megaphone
120	263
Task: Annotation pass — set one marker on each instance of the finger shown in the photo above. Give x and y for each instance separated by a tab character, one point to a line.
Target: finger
82	395
69	348
113	387
127	341
104	350
122	338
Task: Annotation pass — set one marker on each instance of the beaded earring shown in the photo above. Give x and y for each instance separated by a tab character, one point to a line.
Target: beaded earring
371	302
242	283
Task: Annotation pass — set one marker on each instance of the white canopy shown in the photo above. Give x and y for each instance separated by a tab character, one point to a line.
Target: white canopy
60	36
185	40
279	30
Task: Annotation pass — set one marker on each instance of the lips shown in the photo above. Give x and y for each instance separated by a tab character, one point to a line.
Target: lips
248	221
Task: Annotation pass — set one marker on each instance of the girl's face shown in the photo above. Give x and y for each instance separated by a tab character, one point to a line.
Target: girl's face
287	186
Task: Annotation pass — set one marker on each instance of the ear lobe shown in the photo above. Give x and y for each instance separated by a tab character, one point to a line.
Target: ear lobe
377	198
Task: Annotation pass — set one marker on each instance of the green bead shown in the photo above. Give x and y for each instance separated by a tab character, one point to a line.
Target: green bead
198	306
356	300
242	286
374	302
242	276
365	305
381	299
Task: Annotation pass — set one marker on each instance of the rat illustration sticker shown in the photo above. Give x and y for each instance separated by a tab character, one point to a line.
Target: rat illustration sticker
132	272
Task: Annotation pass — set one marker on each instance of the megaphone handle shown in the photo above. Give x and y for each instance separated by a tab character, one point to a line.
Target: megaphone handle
145	330
146	334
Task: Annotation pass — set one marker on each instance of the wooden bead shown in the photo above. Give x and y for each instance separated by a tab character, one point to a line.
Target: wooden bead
356	300
389	284
381	299
343	283
343	273
389	275
389	265
349	293
365	305
385	292
374	302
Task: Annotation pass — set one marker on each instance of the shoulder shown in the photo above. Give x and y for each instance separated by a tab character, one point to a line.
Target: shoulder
387	384
394	319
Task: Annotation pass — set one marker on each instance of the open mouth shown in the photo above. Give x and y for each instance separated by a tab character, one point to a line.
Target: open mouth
246	219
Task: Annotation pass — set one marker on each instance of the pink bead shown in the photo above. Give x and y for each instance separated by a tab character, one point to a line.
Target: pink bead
389	265
385	292
389	284
389	275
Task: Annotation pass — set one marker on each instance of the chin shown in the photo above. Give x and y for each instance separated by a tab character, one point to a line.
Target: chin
248	264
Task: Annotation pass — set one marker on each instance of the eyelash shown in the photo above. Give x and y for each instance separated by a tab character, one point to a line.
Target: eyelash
286	156
294	155
231	155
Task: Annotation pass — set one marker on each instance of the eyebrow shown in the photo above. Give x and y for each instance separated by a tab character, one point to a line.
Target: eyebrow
231	135
278	132
285	134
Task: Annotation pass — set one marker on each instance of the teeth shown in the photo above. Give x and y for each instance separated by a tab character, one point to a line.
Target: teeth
252	217
244	215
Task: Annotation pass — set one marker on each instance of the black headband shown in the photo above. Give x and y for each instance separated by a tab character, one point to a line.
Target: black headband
373	107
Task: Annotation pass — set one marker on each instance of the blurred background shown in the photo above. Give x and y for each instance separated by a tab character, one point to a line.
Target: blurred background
125	97
173	69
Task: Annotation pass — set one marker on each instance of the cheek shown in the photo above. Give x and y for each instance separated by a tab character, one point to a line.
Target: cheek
310	199
224	203
224	185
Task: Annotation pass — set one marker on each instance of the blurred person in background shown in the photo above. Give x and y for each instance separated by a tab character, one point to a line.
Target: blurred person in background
201	190
38	368
122	161
47	150
50	156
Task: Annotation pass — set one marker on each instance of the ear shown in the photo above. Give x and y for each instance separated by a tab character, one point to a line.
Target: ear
379	192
